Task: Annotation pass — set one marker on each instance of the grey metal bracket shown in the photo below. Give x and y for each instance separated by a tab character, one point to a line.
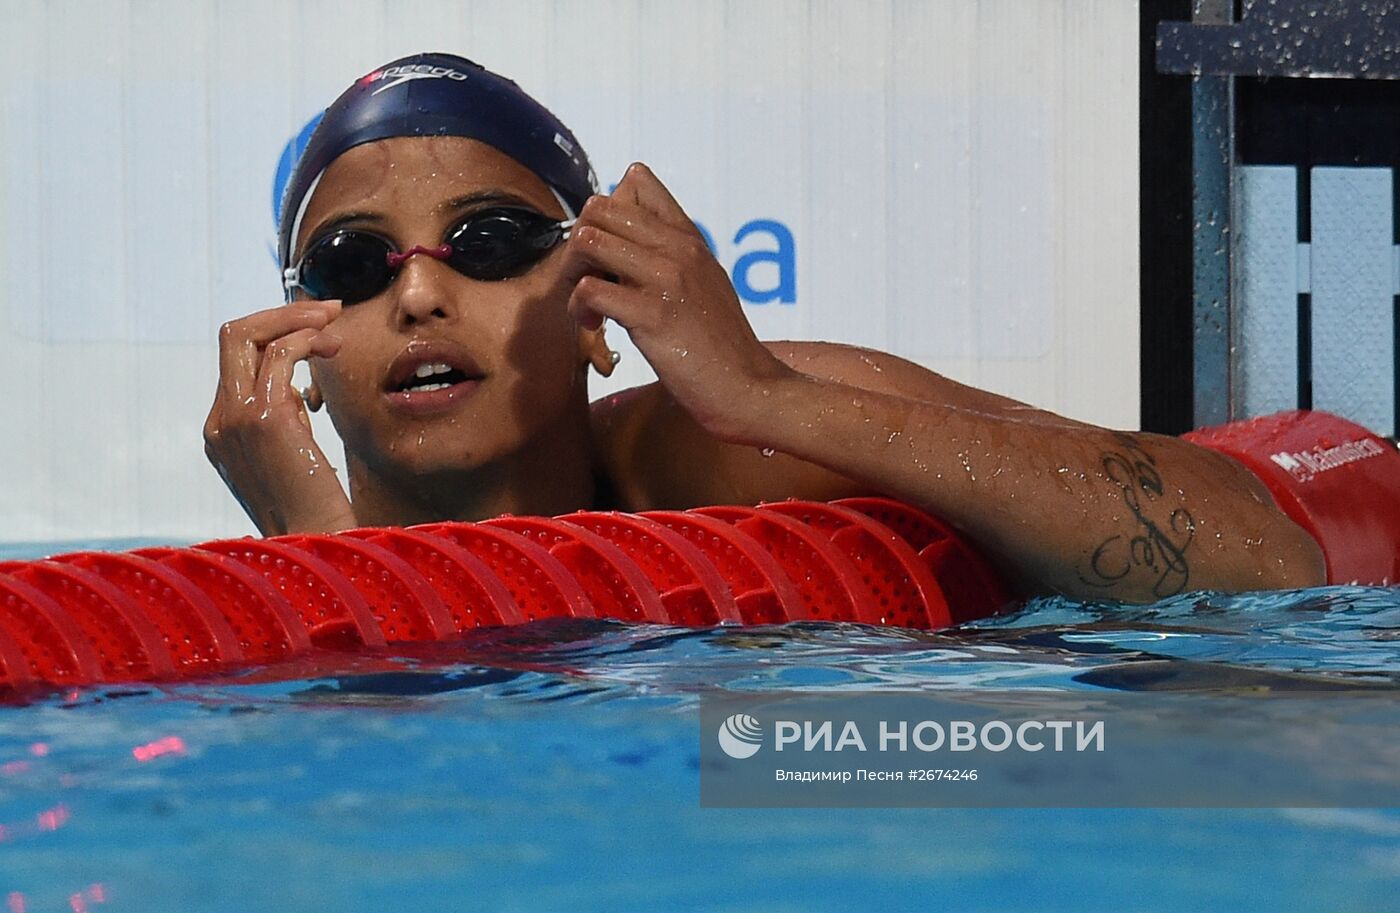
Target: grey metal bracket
1347	39
1212	205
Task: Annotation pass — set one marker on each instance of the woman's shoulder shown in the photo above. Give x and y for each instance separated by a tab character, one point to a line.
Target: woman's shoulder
638	440
653	455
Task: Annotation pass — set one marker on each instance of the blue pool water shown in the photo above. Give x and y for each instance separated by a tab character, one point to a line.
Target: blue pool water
556	768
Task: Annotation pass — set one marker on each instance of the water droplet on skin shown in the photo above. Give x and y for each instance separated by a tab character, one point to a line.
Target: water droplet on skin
420	438
767	451
893	435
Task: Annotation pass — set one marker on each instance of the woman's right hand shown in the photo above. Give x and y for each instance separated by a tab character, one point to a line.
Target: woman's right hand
258	434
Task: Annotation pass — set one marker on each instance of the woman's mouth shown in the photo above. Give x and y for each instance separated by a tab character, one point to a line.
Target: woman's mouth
424	381
431	378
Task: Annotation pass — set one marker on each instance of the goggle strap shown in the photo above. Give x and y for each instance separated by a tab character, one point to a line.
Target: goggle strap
569	215
291	274
290	281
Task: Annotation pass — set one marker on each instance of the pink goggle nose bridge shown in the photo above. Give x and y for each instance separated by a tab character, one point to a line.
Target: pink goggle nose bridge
395	260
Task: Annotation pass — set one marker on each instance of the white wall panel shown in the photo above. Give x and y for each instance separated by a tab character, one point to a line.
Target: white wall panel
1353	298
1266	330
959	178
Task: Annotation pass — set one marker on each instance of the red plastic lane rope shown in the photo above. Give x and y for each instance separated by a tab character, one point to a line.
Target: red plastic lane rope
538	582
405	606
332	611
474	595
901	589
691	589
762	590
169	613
968	581
263	622
615	586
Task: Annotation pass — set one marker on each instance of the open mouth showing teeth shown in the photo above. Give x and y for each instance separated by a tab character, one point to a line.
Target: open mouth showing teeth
427	378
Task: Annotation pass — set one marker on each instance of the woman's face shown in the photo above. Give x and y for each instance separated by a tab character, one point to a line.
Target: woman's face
516	356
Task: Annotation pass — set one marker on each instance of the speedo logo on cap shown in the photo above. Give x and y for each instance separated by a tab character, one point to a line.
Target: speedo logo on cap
407	72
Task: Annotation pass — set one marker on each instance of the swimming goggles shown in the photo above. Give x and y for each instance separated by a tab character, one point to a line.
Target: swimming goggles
489	244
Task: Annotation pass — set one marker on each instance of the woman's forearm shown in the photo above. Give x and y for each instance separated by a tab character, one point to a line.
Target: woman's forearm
1080	510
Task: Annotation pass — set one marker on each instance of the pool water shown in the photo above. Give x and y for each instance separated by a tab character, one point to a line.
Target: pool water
556	767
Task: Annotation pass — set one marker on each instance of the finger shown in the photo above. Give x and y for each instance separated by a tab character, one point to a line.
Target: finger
240	341
633	222
265	326
280	358
592	250
595	299
641	186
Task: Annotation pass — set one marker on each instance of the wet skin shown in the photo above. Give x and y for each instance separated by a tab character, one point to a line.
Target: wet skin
523	414
514	437
1067	507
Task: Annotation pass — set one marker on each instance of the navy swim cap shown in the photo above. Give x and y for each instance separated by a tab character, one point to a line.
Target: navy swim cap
439	95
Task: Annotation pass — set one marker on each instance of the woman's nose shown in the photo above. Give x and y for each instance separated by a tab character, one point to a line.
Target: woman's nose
424	285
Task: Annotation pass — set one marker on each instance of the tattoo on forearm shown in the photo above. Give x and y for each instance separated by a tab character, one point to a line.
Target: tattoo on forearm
1160	551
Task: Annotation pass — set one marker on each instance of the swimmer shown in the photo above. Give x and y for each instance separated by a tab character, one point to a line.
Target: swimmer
449	269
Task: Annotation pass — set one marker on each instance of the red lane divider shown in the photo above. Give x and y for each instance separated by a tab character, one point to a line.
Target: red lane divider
972	588
163	613
474	595
405	606
194	632
827	581
129	645
263	623
14	665
55	648
333	612
616	587
540	584
898	583
763	594
692	590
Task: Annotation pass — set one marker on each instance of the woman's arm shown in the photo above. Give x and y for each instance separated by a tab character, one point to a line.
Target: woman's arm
1074	508
1052	498
1078	509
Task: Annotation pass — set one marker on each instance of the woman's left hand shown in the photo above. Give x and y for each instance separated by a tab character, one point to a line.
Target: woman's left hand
637	258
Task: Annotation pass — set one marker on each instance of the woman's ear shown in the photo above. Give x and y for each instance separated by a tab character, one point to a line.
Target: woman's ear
594	346
311	395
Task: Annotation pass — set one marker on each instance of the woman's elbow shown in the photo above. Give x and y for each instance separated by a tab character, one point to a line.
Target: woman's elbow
1290	559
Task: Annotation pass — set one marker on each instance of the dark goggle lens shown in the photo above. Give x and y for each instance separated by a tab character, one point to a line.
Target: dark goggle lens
501	243
348	265
488	245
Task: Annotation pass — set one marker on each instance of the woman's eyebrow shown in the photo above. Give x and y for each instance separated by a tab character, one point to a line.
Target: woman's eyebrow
492	195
